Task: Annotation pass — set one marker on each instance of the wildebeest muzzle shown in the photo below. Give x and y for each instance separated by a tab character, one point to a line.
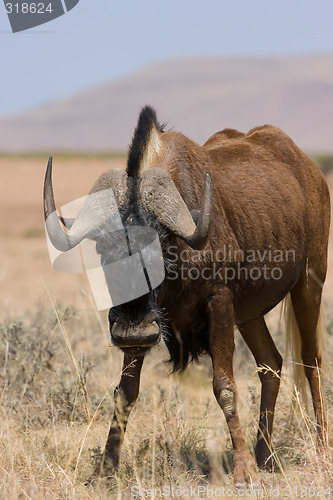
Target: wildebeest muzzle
135	335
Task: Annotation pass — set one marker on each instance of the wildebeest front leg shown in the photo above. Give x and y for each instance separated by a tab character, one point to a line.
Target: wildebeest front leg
256	335
221	339
125	396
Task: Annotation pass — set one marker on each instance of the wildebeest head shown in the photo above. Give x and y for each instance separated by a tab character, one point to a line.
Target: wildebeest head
144	195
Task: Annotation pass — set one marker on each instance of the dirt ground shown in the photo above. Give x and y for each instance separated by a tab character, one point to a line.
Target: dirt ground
26	274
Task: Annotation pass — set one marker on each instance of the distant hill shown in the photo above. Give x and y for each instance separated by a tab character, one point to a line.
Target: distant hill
197	97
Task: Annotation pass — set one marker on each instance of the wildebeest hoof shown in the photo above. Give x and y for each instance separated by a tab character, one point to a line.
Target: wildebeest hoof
265	458
104	469
268	464
245	473
109	482
103	475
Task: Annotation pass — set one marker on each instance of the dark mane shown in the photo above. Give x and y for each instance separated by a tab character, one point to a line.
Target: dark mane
147	120
193	344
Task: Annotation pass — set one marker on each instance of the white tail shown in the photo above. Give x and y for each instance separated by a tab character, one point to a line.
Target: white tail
294	345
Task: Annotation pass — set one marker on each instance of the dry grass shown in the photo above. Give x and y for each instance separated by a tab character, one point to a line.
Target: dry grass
57	380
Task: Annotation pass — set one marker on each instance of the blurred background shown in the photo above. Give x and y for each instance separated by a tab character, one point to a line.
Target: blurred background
73	88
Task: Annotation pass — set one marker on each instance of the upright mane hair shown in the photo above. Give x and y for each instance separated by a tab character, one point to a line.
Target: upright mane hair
147	121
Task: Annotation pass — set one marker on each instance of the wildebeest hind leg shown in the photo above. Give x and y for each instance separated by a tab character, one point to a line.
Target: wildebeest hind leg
221	347
125	396
269	362
306	300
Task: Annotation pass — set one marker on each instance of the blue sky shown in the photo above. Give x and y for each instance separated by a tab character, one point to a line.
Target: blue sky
100	40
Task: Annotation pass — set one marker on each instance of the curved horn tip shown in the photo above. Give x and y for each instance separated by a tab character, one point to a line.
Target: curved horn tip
199	239
208	192
208	181
49	205
49	167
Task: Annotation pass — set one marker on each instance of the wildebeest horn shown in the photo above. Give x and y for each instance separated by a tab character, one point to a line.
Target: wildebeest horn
98	208
159	195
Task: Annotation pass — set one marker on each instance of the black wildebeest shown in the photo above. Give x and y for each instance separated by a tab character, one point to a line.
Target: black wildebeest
256	195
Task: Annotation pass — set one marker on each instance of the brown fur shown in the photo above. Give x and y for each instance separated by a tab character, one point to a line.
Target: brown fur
267	195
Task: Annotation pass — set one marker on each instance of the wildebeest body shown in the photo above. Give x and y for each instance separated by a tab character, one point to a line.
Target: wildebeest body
263	168
270	212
